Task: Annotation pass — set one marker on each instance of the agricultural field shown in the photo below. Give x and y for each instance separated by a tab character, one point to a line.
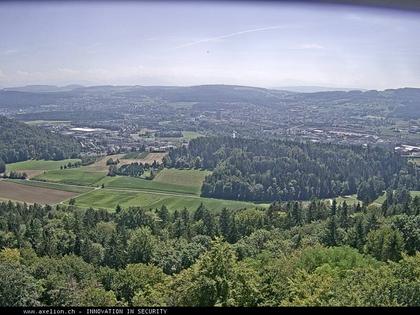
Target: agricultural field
40	165
188	135
350	200
191	178
33	168
78	176
173	187
135	155
149	158
109	199
100	165
126	182
26	193
49	185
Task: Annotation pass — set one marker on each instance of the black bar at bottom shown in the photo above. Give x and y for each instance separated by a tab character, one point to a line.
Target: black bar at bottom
191	310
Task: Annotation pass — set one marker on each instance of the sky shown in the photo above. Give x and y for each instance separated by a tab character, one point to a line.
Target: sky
190	43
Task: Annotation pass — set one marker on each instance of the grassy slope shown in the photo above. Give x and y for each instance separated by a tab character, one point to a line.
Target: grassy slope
38	165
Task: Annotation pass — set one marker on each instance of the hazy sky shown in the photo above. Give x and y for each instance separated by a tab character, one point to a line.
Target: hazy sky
268	45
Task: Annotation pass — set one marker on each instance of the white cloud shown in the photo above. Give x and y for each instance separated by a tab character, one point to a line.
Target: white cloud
23	73
68	71
8	52
311	46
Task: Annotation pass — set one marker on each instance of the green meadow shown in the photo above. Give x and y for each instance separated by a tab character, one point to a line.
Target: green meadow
39	165
109	199
188	135
125	182
76	176
190	178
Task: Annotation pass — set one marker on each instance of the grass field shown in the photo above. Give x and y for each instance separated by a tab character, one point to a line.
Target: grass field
77	176
42	165
188	135
127	182
174	188
25	193
109	199
149	158
177	189
189	178
350	200
100	164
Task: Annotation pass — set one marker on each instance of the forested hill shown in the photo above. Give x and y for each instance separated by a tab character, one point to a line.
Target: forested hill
268	170
403	102
19	142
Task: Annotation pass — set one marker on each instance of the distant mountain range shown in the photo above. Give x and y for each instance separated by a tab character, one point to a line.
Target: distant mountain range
66	88
313	89
404	102
43	88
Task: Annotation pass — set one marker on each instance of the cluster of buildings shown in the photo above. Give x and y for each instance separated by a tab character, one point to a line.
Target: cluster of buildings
408	150
99	141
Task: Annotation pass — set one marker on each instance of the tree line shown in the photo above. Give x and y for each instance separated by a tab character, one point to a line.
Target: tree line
21	142
134	169
293	253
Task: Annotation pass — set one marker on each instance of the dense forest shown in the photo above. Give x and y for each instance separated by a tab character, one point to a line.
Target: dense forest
315	253
20	142
269	170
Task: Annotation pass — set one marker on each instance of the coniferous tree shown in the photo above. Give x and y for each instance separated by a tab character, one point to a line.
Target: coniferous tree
2	166
331	234
225	223
344	215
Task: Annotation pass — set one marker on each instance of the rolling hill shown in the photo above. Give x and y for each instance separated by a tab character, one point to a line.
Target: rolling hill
20	142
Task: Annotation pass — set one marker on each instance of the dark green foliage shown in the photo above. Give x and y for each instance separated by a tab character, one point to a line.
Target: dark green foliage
133	169
17	286
291	254
2	166
385	244
20	142
269	170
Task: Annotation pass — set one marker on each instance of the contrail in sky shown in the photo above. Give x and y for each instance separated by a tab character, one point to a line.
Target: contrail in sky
210	39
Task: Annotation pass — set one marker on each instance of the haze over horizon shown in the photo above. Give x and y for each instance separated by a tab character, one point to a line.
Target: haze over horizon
184	44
